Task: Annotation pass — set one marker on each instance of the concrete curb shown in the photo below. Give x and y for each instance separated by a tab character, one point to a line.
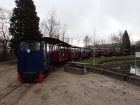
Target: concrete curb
114	74
95	70
133	80
74	70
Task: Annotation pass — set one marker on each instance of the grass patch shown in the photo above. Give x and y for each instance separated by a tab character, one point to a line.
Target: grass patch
100	59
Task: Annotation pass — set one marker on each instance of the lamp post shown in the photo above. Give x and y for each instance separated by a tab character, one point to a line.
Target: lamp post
94	62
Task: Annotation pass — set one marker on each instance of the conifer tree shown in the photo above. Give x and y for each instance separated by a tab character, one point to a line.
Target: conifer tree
125	42
24	21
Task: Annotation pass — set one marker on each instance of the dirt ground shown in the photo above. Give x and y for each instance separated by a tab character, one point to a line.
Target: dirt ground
63	88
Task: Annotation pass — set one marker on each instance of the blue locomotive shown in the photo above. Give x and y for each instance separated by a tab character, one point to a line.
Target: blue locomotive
33	59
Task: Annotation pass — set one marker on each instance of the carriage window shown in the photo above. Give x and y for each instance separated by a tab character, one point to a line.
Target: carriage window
35	46
24	46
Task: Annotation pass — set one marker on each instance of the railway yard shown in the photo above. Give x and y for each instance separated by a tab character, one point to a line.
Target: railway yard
62	88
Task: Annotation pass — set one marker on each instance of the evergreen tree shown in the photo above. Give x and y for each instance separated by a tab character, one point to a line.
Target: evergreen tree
125	42
24	21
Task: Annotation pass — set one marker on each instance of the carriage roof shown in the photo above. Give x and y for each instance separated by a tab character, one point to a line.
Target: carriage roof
55	41
49	40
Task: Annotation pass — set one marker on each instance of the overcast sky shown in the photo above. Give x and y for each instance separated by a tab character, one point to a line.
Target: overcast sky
109	16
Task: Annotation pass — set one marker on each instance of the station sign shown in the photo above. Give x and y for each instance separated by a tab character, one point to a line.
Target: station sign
137	54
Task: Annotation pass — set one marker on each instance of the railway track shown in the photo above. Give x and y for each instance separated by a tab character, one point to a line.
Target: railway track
6	70
14	95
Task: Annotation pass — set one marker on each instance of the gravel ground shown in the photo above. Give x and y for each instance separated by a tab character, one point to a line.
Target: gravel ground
62	88
8	76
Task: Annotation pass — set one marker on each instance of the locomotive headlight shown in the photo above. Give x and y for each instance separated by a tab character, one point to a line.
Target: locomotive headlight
28	50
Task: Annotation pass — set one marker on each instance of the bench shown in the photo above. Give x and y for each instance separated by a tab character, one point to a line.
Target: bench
79	64
76	67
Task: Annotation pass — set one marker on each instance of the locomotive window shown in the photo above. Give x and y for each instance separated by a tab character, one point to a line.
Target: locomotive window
24	46
35	46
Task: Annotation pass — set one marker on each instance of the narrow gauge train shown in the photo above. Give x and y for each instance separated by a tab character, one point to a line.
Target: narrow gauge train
108	52
36	56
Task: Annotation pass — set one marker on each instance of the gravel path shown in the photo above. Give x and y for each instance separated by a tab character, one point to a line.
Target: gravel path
62	88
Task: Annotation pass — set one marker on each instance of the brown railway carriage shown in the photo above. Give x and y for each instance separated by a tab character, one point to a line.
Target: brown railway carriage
85	53
125	52
59	50
75	53
98	52
63	55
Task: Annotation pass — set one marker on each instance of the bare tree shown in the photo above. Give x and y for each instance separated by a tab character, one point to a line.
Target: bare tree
63	33
97	44
77	42
70	40
43	28
50	26
4	30
86	41
112	41
67	39
120	35
116	40
102	41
